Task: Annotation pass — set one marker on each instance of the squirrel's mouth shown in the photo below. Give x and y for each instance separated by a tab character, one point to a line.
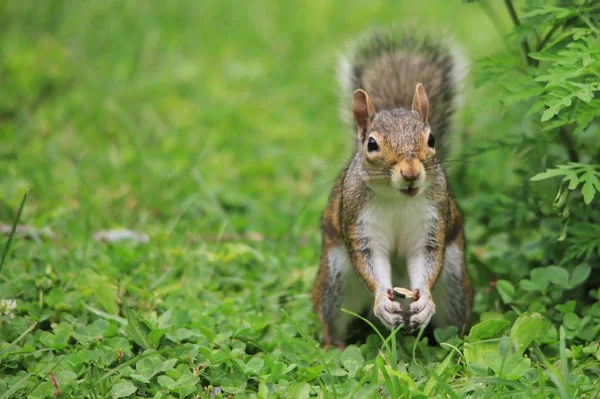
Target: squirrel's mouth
410	191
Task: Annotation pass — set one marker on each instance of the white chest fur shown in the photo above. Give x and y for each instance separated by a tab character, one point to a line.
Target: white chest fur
397	226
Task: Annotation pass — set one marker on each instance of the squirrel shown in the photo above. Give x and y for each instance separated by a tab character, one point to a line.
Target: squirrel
391	219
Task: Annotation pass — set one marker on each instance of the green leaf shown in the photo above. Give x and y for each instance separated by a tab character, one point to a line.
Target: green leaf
539	278
123	389
573	180
527	285
164	365
549	173
155	336
525	329
145	367
493	360
138	330
254	365
558	12
234	383
579	275
263	390
506	290
588	192
164	321
140	378
352	359
316	369
488	329
300	391
445	334
591	184
571	321
515	366
558	276
66	377
550	112
106	294
186	380
55	341
183	333
166	381
566	307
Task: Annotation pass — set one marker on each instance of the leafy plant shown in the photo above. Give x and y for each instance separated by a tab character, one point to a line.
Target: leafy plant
550	97
558	83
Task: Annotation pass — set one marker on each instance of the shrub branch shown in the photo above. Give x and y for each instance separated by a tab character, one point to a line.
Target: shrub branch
517	23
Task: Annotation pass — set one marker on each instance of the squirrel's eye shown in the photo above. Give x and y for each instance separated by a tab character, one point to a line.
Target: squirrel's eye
431	141
372	145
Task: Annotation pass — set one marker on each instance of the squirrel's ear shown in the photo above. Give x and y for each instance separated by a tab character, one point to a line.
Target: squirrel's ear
421	102
363	111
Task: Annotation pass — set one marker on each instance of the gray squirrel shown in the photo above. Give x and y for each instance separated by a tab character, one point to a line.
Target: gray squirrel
391	219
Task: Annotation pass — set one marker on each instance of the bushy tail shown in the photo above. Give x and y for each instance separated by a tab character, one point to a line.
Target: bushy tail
388	64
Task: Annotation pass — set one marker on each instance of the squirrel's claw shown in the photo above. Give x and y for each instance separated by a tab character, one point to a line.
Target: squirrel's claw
420	312
388	311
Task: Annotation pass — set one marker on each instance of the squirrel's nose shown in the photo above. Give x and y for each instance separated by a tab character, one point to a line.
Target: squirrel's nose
410	174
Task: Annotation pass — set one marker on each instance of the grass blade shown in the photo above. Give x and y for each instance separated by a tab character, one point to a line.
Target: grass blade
414	349
428	391
392	387
393	355
20	337
42	379
564	365
106	315
319	352
370	325
15	387
454	348
443	385
12	232
552	373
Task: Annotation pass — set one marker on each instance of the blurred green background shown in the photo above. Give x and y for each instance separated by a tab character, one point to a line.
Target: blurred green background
203	116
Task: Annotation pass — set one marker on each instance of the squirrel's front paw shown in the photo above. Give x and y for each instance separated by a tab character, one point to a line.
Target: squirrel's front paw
387	310
420	312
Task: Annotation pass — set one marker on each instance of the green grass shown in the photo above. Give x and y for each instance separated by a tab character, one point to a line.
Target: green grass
213	127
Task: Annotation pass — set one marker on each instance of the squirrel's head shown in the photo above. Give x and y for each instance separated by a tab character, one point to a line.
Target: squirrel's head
396	146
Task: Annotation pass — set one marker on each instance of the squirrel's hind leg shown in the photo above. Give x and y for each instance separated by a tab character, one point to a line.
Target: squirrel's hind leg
338	286
452	293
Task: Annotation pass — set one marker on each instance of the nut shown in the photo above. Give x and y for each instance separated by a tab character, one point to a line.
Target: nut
400	292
